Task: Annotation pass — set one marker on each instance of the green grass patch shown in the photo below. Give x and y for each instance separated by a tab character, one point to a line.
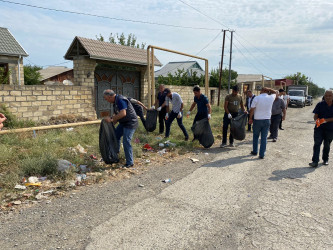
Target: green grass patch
24	155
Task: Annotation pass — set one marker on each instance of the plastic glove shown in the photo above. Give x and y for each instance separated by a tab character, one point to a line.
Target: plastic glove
320	121
152	107
179	115
229	116
159	108
209	116
166	116
188	114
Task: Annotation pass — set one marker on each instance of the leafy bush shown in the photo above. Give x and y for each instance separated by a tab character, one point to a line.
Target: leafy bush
12	121
39	166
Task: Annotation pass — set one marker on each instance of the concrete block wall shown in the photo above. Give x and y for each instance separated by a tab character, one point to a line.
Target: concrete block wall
14	69
40	102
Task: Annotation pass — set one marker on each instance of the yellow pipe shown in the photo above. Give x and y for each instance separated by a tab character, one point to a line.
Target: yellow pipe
20	130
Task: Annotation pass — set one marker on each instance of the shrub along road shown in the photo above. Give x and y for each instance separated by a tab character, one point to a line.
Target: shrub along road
229	200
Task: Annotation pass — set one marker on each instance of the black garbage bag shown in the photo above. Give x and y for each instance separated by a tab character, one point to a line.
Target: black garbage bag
108	143
202	131
237	127
151	120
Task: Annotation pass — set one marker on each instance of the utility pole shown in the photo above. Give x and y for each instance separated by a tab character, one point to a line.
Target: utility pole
230	62
221	68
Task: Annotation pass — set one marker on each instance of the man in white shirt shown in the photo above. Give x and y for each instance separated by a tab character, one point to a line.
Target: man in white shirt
260	116
176	112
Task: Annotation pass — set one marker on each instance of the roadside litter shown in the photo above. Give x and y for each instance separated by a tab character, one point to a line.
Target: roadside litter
69	129
64	165
167	180
194	160
170	144
148	147
81	149
162	152
161	145
20	187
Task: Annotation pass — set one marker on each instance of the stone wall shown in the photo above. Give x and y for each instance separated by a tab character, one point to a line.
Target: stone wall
84	69
40	103
12	62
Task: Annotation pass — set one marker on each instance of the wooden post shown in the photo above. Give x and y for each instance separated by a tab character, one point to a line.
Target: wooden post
148	76
152	77
206	78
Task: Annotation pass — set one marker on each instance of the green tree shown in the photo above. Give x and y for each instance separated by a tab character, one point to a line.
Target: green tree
121	39
215	77
31	75
4	76
301	79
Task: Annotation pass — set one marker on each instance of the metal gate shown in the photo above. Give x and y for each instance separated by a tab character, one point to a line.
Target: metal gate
122	82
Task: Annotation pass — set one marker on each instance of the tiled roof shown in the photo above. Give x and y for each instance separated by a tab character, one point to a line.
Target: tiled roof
110	52
172	68
52	71
9	45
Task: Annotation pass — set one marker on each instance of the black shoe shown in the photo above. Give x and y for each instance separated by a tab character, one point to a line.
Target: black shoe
253	153
281	128
127	166
186	138
274	140
261	157
325	162
270	137
313	164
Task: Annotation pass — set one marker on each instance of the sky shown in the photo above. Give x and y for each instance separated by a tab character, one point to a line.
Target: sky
273	38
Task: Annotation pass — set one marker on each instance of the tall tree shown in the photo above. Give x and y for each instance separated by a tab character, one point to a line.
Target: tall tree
301	79
215	74
31	74
121	39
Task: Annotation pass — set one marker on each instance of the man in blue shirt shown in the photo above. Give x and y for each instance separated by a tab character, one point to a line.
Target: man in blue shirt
128	122
204	109
323	132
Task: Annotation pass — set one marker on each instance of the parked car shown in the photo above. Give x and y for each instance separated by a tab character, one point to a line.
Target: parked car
309	100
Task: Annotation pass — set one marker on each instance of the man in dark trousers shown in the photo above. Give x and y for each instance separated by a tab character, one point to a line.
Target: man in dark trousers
160	99
323	131
278	114
128	122
176	112
232	104
204	109
249	99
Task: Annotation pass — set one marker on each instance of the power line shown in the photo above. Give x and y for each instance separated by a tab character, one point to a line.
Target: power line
261	51
47	65
215	20
254	56
107	17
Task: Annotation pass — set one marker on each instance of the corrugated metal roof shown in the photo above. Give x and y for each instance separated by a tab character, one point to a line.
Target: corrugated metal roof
53	71
172	68
248	78
8	44
110	52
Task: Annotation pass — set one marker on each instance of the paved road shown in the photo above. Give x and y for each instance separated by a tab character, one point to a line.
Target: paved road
231	200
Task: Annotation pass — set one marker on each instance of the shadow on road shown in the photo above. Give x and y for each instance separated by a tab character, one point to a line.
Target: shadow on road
291	173
230	161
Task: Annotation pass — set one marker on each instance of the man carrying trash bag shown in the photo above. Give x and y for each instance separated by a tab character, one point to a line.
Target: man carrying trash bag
204	109
232	104
128	122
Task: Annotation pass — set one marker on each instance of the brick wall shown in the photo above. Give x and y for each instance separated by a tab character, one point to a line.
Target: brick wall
40	103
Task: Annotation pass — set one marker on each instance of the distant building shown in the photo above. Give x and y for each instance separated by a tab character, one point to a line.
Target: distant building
188	66
11	57
57	75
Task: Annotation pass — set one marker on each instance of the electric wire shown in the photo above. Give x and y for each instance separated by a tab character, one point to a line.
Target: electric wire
108	17
196	53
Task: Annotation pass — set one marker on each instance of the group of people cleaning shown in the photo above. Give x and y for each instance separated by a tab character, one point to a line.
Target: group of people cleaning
265	114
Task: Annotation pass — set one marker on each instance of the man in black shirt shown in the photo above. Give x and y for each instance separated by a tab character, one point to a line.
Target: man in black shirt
160	99
323	131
